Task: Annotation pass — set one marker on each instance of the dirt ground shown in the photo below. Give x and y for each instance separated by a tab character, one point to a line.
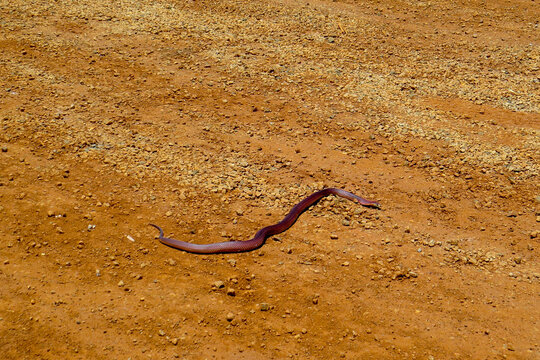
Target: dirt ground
212	119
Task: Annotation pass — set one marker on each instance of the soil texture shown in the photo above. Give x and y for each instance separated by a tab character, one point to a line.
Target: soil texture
213	119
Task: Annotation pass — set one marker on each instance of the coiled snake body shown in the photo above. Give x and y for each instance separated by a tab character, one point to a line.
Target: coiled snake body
261	235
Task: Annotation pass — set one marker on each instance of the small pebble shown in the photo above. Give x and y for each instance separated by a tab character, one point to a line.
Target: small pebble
230	316
231	292
218	284
509	347
264	306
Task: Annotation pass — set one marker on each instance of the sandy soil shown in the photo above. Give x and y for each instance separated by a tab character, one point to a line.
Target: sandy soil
213	119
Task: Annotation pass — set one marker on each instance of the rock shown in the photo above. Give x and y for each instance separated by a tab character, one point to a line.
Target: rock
264	306
509	347
231	292
218	284
230	316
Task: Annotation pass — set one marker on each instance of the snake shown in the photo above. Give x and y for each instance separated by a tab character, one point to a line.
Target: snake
261	235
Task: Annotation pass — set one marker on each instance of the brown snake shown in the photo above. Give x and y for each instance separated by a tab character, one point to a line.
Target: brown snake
261	235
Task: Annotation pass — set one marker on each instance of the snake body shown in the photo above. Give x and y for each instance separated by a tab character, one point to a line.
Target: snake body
261	235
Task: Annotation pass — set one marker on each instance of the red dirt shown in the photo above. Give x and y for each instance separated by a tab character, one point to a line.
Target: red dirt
213	120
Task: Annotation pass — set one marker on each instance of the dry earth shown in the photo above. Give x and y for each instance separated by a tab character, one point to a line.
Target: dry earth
213	119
